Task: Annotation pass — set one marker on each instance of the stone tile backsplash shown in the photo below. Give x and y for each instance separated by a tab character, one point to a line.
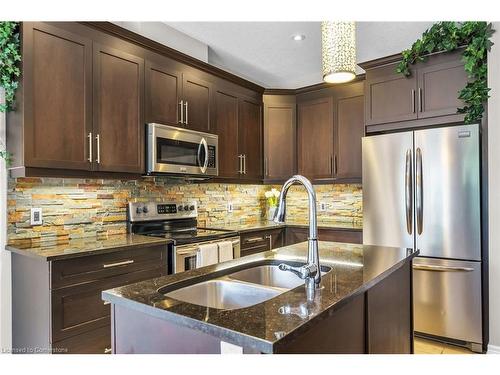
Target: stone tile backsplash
74	208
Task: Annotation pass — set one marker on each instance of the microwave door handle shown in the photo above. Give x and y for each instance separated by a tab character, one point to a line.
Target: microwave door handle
203	143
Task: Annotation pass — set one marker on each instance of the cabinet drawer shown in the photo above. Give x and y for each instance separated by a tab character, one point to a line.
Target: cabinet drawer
78	309
96	267
256	239
97	341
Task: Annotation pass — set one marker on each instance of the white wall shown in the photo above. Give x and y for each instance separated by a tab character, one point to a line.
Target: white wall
5	279
164	34
494	189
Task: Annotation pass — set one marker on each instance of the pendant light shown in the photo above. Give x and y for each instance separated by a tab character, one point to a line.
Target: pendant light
338	46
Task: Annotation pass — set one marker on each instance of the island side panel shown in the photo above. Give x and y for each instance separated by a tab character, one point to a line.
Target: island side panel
342	332
135	332
389	314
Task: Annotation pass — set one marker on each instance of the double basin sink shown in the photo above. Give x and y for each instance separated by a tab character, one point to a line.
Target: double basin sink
240	289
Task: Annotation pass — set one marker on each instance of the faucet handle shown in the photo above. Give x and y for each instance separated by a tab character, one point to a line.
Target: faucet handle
303	272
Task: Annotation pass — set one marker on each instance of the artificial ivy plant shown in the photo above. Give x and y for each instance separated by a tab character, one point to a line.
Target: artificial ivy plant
448	36
10	56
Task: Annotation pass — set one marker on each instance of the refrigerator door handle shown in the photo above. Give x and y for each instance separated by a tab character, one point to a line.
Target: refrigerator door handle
409	192
419	199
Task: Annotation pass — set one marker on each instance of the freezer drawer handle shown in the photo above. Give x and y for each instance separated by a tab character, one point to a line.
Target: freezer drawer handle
108	265
442	268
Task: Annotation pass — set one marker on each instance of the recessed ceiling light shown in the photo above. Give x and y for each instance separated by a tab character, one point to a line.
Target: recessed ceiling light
298	37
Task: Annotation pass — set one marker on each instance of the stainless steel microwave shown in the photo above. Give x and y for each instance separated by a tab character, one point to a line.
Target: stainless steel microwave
179	151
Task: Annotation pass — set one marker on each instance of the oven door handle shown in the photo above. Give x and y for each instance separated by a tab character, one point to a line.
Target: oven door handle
203	143
187	251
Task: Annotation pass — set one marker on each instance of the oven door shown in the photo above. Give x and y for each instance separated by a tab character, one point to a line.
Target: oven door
181	151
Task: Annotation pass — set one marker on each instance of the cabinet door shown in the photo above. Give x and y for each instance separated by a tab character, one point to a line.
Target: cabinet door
279	139
226	126
438	87
315	138
250	138
58	97
349	129
163	86
390	98
196	94
118	117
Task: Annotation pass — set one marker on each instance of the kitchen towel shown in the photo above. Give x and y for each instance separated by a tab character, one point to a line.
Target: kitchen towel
206	255
225	251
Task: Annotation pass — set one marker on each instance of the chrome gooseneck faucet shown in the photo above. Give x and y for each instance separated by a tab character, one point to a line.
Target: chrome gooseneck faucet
310	272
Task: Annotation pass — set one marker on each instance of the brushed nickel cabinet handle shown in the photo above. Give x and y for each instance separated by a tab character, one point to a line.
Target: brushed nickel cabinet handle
331	164
420	104
89	136
181	103
413	101
240	164
98	145
106	303
266	172
244	164
270	239
254	239
107	351
109	265
335	164
187	111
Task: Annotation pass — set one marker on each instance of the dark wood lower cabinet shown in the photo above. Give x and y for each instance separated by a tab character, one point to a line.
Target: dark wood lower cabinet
299	234
57	305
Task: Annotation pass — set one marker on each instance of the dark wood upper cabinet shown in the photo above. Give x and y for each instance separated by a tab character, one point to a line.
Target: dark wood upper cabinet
390	98
118	104
279	137
196	100
163	92
250	138
315	138
429	96
57	87
349	129
438	87
226	126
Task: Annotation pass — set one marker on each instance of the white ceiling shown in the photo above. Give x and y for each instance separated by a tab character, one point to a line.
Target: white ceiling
264	52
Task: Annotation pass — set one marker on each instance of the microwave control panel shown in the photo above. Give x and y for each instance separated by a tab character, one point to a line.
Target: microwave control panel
211	157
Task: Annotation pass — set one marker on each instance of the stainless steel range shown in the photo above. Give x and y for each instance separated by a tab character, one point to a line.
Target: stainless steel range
178	222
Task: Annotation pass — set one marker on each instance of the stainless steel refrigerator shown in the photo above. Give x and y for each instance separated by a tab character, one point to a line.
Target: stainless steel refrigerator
422	189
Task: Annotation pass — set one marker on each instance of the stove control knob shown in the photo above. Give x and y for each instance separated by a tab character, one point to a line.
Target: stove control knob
145	209
180	208
186	208
138	210
191	208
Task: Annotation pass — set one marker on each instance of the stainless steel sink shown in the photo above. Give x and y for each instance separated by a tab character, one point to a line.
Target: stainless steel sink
268	275
224	294
239	289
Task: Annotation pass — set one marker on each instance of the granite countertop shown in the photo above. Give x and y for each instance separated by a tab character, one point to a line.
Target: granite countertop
53	250
265	224
265	326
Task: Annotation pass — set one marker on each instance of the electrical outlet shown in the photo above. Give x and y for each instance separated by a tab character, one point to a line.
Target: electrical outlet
229	206
322	206
36	216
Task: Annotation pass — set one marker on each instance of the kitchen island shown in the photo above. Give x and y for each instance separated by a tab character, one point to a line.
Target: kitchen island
363	305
